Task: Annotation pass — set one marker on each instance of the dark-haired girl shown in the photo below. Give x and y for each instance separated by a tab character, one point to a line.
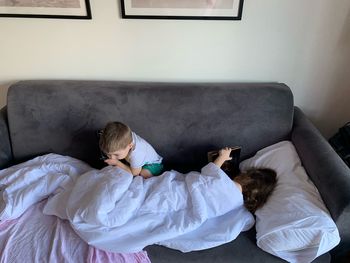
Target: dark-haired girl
256	185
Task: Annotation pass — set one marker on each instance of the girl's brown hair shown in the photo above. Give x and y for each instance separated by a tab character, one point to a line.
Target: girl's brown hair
257	185
114	137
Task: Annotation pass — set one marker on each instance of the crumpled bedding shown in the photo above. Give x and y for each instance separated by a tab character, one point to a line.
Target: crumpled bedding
35	237
116	212
27	183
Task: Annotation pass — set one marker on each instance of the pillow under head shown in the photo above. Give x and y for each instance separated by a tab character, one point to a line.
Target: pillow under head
294	224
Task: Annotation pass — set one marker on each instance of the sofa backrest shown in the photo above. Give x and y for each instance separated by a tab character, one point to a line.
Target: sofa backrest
183	121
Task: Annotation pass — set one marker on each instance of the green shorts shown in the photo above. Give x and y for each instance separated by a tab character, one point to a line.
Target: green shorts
154	168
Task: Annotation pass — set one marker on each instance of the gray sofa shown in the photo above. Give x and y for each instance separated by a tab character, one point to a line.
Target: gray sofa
183	121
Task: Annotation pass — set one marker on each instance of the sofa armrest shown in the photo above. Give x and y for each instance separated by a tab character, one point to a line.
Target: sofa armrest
5	146
328	172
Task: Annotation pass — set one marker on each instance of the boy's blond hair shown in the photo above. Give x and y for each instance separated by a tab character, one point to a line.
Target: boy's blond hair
114	137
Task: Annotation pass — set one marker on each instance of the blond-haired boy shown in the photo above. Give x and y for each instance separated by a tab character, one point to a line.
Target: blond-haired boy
118	142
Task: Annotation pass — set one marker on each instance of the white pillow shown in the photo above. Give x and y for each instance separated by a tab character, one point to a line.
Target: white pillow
294	224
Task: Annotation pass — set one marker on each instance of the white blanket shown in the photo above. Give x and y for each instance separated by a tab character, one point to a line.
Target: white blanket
114	211
27	183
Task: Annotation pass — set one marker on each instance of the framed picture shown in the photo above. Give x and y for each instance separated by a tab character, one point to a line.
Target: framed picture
69	9
183	9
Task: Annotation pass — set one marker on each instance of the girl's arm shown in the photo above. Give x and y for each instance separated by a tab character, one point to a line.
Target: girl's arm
224	155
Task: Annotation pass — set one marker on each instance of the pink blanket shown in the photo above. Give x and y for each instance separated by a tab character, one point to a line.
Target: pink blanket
35	237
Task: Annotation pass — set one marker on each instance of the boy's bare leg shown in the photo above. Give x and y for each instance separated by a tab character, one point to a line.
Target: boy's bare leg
145	173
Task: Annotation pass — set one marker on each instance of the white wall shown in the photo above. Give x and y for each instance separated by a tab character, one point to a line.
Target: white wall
305	44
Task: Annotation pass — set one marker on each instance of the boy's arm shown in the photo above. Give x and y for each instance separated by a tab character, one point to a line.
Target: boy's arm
136	171
132	160
133	171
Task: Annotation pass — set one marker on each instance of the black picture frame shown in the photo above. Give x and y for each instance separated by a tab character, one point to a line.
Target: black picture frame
130	12
83	12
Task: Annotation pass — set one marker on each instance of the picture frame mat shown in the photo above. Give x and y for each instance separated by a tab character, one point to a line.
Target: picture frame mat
130	11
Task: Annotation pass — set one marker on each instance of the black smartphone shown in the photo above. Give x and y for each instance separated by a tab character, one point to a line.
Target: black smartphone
103	156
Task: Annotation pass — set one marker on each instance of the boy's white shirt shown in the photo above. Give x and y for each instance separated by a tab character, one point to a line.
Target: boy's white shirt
142	153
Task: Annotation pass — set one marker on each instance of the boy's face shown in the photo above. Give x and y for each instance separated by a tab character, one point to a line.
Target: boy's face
120	154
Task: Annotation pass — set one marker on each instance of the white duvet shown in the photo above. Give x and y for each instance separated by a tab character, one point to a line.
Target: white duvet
114	211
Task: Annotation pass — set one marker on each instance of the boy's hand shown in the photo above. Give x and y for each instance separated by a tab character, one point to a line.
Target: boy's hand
113	162
120	164
224	154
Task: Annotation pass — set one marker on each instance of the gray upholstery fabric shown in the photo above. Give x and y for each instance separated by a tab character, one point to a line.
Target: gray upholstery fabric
182	121
328	172
5	147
